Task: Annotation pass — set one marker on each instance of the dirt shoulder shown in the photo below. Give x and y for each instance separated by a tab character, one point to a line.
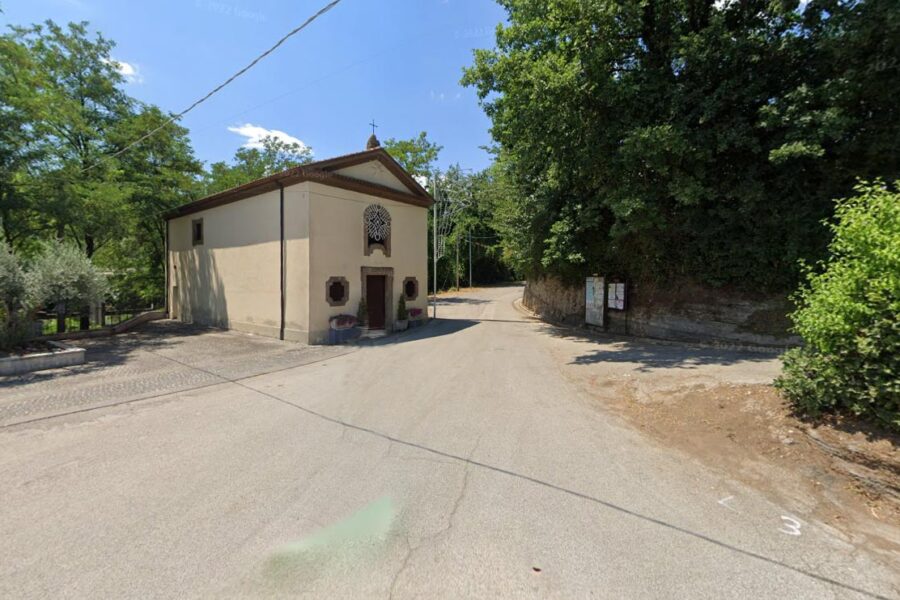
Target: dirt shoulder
718	406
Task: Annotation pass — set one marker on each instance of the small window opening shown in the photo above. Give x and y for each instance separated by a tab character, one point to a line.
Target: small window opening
197	231
411	288
337	290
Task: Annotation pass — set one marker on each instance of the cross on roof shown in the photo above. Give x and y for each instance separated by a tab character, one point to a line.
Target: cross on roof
373	126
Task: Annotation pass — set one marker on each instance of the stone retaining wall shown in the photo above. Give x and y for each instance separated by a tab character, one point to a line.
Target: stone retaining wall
686	312
550	299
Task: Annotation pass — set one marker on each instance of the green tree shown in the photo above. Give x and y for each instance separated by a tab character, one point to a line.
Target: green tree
64	277
158	174
253	163
16	299
686	138
80	100
416	155
63	117
473	196
18	148
849	315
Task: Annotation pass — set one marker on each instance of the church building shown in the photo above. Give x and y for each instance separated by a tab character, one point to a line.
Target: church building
281	255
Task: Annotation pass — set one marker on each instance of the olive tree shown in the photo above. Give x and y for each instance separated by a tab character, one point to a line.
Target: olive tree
63	276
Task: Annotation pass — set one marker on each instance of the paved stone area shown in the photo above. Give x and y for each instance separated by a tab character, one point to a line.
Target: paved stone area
161	358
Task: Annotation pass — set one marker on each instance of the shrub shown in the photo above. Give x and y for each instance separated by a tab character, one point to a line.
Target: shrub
362	313
402	313
16	300
849	315
13	282
64	276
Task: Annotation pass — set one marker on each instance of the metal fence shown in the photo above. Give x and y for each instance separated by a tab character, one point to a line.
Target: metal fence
48	322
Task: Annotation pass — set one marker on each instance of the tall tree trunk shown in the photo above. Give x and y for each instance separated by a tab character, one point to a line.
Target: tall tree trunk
61	317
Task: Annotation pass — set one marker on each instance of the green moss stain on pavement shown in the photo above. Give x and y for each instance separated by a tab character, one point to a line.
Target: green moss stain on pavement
341	544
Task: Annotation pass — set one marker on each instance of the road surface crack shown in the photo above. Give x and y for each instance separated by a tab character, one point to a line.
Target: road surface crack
403	563
410	549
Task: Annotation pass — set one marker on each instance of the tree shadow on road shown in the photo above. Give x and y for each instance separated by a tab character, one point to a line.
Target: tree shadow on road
649	354
455	300
434	328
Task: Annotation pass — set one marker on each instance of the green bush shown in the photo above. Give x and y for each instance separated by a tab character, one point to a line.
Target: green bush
61	274
402	313
16	300
65	277
849	315
362	313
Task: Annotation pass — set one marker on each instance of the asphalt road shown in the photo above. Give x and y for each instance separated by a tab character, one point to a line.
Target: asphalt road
452	462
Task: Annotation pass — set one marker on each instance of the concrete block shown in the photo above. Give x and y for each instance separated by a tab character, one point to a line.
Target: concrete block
64	356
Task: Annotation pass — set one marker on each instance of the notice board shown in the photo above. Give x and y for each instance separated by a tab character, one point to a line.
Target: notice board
615	295
594	301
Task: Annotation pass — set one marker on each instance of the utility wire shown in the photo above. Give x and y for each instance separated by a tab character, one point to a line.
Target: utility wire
218	88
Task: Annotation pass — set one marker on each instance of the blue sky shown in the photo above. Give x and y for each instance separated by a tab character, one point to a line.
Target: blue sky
397	61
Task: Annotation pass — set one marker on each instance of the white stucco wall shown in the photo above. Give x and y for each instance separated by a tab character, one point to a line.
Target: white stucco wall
296	289
337	250
232	279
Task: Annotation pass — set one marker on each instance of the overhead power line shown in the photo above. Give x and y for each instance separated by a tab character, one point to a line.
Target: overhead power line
219	87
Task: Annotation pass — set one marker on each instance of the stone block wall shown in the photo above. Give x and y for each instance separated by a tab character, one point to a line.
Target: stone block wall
684	312
552	300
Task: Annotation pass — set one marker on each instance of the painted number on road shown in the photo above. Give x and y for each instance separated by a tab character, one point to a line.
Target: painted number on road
790	526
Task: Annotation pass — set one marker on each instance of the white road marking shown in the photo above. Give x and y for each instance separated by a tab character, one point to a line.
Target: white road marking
790	526
724	502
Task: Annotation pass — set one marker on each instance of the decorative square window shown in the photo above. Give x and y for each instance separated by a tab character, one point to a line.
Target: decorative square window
377	229
197	232
411	288
337	291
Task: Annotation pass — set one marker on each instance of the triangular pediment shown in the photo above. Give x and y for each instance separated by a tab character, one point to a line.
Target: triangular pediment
374	171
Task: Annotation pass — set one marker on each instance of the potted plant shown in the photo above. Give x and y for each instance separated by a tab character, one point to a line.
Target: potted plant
402	315
415	317
342	328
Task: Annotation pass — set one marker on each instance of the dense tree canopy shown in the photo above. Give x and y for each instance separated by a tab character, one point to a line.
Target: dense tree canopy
252	163
417	155
64	118
686	138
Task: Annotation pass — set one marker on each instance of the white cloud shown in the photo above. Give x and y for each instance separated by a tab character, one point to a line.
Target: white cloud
129	71
256	133
441	97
